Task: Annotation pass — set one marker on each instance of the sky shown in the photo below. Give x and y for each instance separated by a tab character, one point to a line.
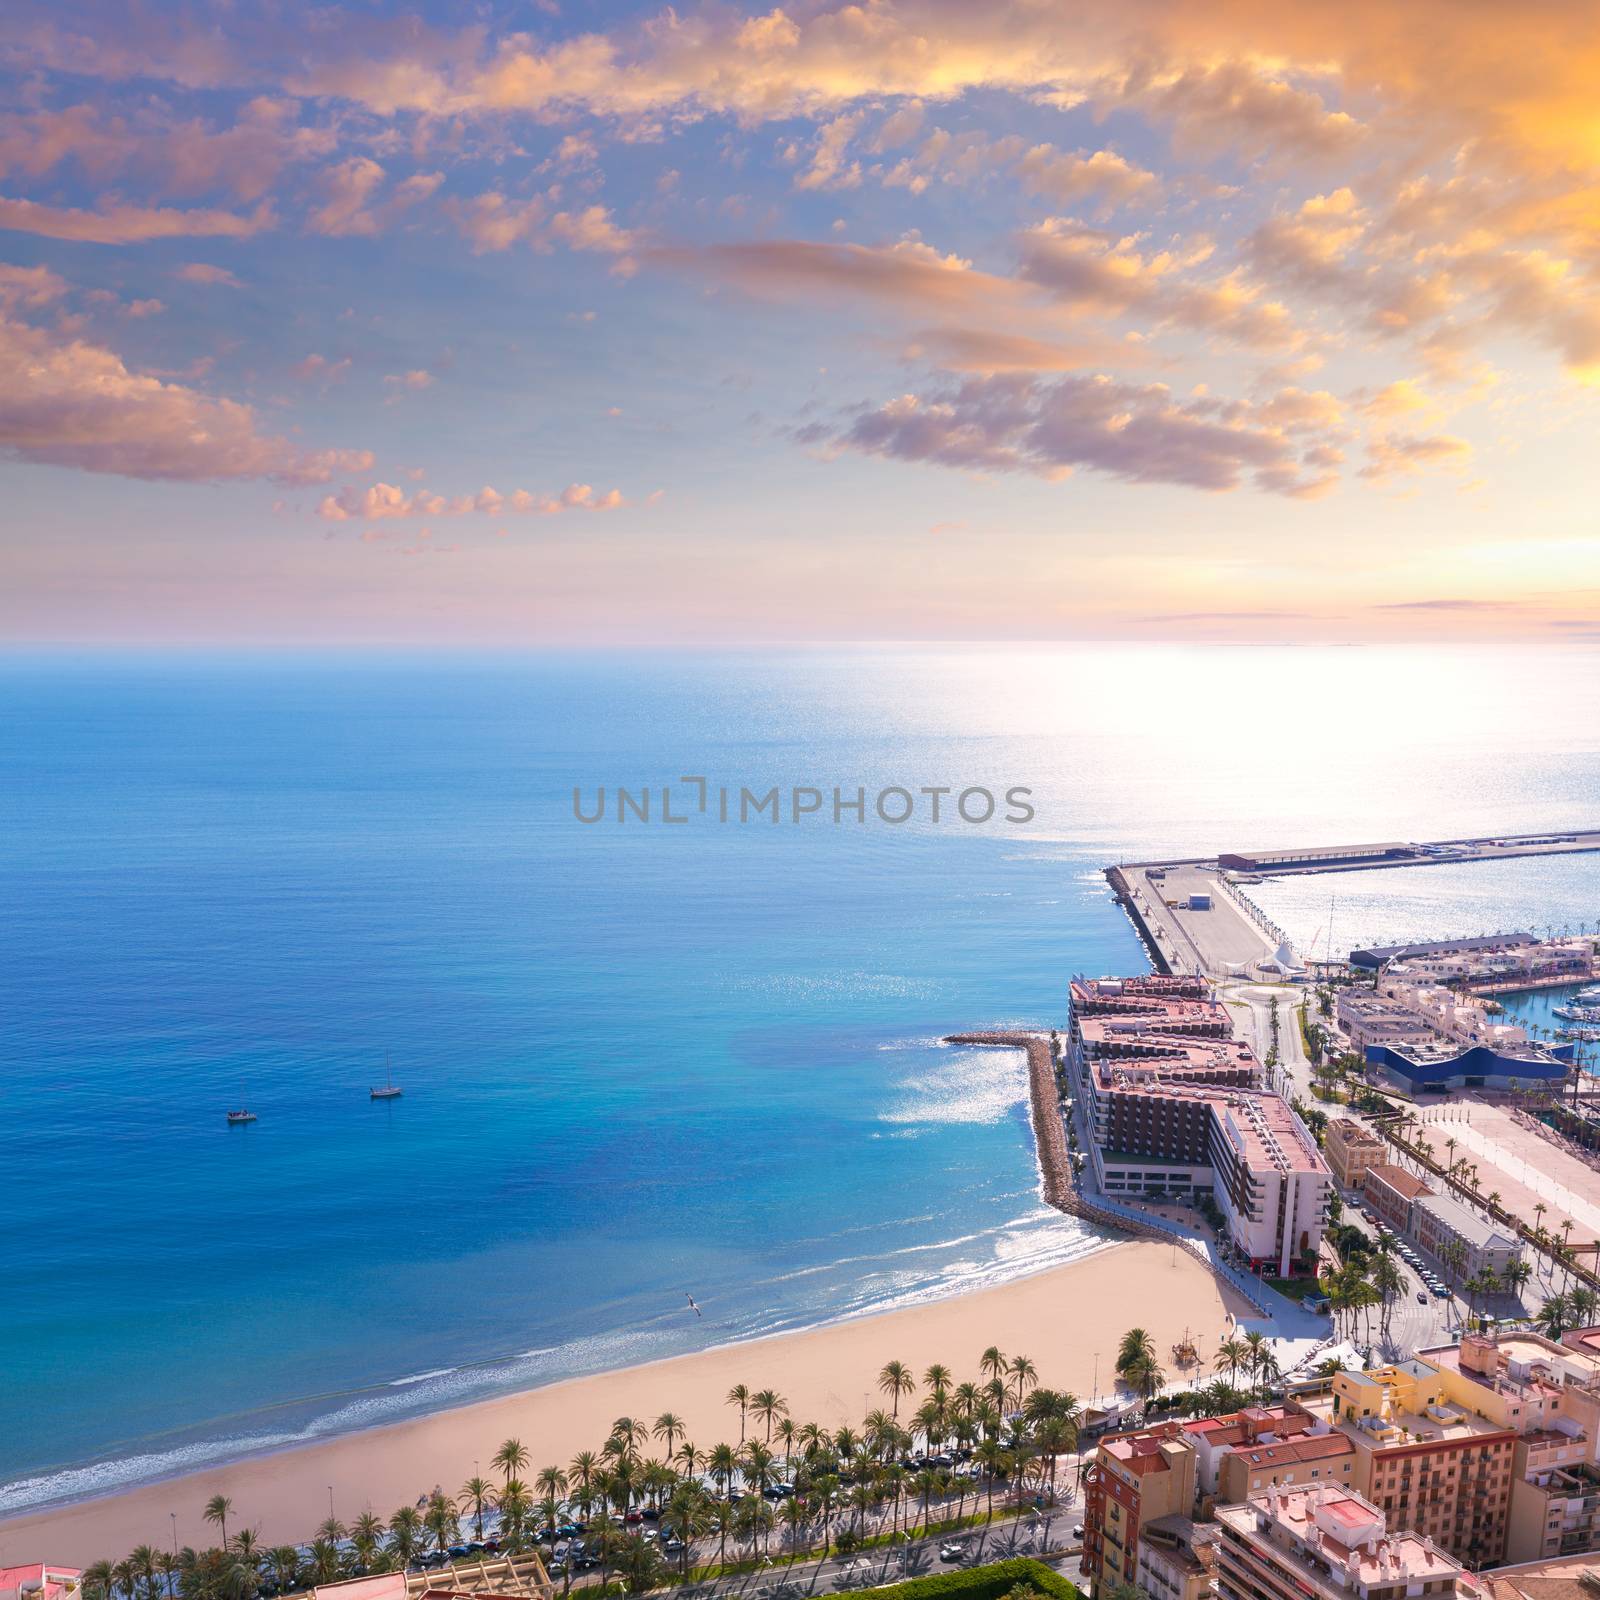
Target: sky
550	324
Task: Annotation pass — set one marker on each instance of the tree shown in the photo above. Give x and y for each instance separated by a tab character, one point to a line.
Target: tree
1231	1355
510	1458
1024	1376
475	1494
739	1395
895	1380
283	1562
1555	1316
405	1534
769	1406
669	1428
217	1511
1137	1349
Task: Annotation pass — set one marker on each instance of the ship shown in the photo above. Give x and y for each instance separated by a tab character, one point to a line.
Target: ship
390	1090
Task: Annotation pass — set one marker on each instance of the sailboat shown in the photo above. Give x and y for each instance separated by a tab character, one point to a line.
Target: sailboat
390	1090
239	1116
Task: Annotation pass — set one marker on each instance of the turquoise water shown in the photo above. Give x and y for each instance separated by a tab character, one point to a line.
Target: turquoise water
640	1062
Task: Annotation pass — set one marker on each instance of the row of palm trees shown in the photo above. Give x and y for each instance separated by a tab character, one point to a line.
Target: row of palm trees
810	1485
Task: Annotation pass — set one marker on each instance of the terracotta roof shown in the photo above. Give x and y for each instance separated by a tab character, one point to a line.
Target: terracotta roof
1398	1179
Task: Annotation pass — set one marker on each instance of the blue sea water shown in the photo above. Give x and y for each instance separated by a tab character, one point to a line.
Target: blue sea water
640	1061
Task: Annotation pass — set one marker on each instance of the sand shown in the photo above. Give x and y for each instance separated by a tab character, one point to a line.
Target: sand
1068	1320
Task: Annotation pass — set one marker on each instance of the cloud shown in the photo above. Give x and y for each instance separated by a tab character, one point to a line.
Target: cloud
1141	434
1237	107
1391	453
1450	605
1067	179
417	378
115	223
350	193
382	501
910	274
1096	274
175	157
205	272
829	168
68	403
492	222
959	349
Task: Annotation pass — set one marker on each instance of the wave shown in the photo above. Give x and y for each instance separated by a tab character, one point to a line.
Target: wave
868	1285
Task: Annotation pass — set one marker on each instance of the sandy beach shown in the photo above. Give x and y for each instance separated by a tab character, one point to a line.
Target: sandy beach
1068	1320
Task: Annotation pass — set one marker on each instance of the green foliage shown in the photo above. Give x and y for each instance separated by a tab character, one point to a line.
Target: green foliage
997	1581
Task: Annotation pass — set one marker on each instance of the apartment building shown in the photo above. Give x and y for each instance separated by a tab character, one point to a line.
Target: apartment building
1550	1393
1140	1480
1290	1463
1176	1558
1426	1461
1135	1479
1351	1149
1324	1542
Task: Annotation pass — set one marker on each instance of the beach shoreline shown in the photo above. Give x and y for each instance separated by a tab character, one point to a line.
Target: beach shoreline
1068	1319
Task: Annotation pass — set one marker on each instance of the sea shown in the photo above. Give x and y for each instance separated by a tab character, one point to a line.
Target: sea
644	1062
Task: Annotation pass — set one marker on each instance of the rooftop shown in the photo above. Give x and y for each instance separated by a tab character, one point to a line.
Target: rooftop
1404	1184
1336	1531
1318	1447
1465	1223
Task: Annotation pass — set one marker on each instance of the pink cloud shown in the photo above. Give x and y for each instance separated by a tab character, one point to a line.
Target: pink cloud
128	224
382	501
66	402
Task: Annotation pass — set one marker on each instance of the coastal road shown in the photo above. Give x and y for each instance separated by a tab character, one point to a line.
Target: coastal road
1045	1536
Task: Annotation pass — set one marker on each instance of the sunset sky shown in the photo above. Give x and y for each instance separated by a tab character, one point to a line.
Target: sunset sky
920	319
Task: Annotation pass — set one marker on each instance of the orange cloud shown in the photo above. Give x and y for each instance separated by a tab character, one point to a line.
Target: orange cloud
381	501
128	224
69	403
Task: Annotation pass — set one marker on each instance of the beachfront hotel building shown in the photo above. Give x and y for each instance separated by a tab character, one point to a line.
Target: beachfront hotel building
1172	1107
40	1580
1325	1542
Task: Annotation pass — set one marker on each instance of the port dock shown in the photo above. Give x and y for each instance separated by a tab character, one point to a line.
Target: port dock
1194	914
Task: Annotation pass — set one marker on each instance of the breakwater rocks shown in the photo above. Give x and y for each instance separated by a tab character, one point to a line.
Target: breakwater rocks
1050	1135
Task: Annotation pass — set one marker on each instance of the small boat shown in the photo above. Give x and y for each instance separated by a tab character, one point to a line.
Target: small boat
390	1090
236	1117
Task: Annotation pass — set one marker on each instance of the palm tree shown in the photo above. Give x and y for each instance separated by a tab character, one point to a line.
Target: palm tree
937	1378
669	1428
992	1364
739	1395
144	1562
510	1458
513	1503
1024	1374
475	1494
581	1474
1583	1301
895	1380
217	1510
1137	1349
769	1405
284	1564
366	1535
1555	1316
1231	1355
98	1580
440	1519
405	1534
